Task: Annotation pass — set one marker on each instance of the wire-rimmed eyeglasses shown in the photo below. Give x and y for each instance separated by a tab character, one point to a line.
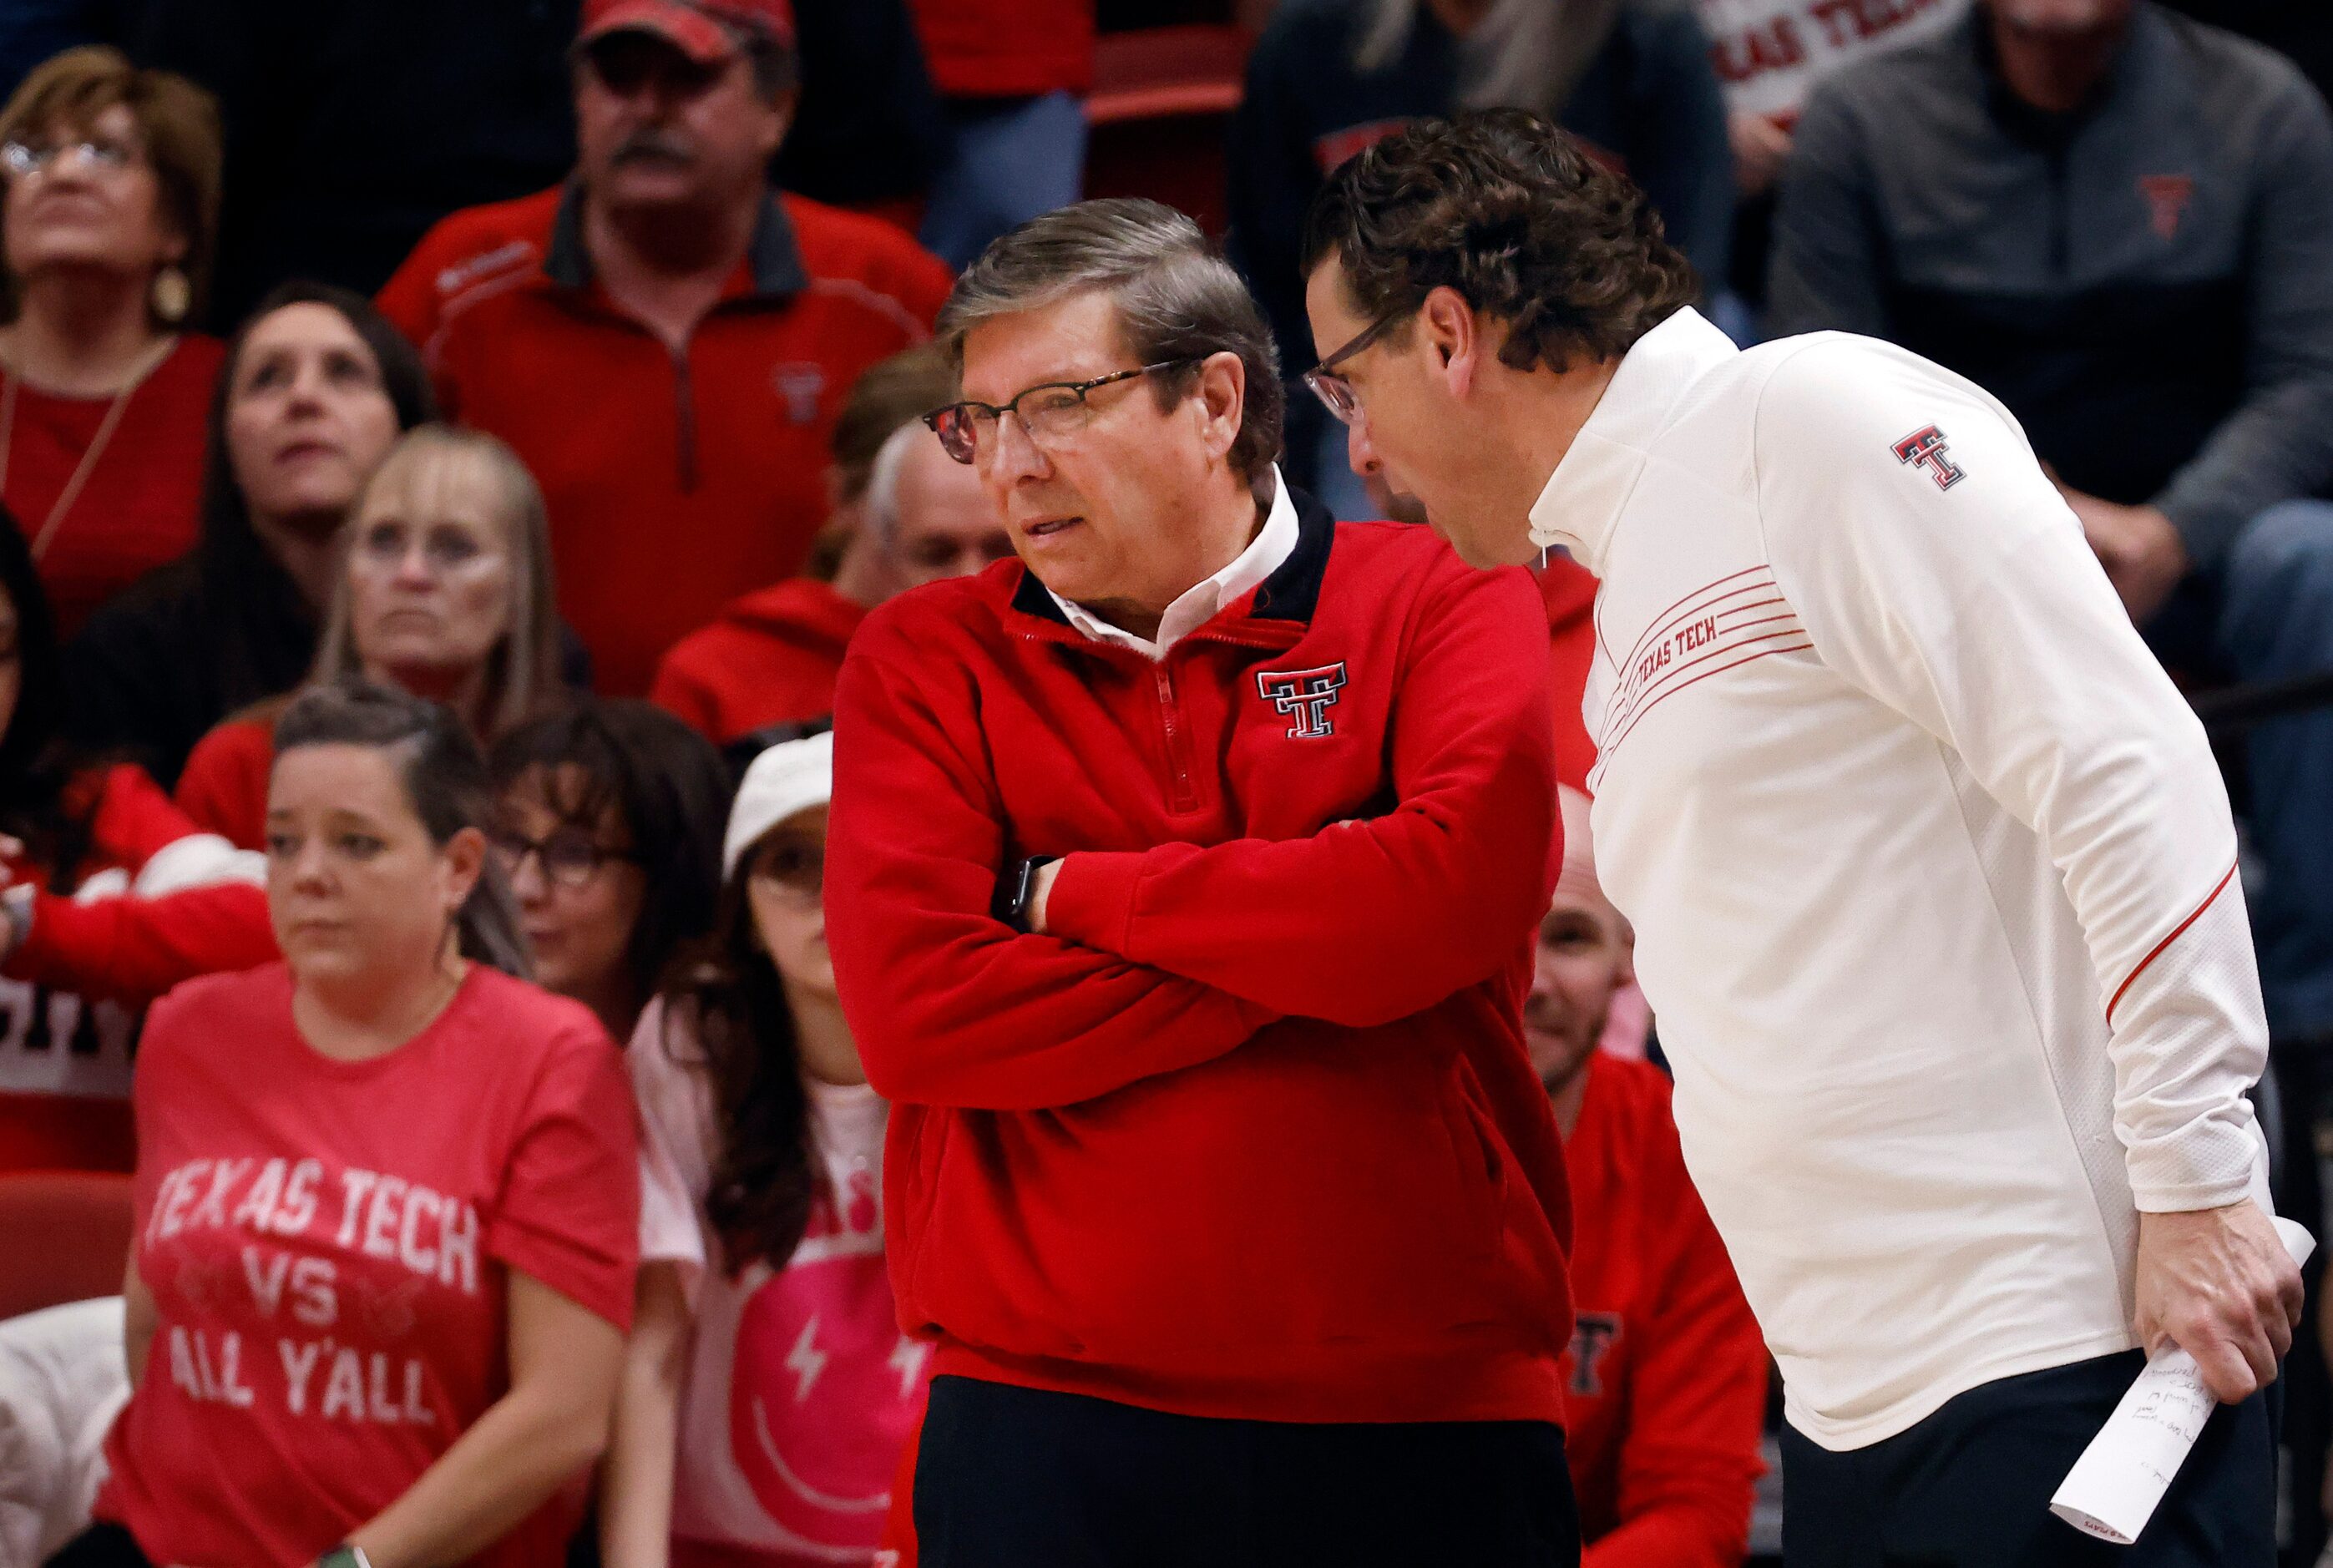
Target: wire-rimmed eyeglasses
1048	411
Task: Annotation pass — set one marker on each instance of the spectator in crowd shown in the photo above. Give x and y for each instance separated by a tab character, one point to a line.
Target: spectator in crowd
765	1254
665	339
1667	1382
790	635
609	834
774	656
1768	54
1309	749
1329	77
315	389
445	591
112	896
2119	221
387	1197
112	193
1013	74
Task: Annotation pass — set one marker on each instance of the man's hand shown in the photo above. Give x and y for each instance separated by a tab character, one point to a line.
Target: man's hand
1761	147
2218	1283
1041	889
2141	550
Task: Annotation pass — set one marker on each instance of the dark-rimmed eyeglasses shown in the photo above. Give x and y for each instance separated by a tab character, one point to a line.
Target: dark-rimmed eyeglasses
1048	411
567	856
1335	392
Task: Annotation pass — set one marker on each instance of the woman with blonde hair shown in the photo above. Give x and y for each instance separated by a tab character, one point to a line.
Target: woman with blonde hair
446	593
111	206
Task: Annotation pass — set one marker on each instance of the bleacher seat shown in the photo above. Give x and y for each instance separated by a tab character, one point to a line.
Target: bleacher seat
64	1237
1161	105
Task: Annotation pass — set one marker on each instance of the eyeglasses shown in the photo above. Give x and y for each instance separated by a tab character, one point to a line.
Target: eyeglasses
1333	390
24	159
794	865
569	858
1051	412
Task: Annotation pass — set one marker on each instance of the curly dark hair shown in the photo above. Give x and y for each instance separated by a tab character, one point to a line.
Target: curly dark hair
1509	210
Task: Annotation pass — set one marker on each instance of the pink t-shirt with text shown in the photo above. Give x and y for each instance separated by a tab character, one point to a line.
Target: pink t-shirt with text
800	1389
327	1244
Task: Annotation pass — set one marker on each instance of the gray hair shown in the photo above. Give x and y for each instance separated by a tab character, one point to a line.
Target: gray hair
881	501
1176	299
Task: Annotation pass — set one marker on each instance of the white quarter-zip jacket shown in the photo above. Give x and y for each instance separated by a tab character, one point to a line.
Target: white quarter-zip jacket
1930	869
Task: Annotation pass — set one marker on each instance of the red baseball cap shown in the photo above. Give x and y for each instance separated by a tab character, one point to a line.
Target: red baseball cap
707	30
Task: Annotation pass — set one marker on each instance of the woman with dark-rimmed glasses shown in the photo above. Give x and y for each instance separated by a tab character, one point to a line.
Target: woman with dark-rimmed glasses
609	834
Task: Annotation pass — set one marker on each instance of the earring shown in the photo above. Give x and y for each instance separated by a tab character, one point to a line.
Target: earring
173	295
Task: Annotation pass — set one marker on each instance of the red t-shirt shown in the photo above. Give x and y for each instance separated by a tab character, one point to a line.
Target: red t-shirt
1666	1381
675	481
140	505
327	1244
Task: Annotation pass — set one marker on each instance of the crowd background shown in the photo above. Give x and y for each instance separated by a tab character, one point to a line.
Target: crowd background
529	361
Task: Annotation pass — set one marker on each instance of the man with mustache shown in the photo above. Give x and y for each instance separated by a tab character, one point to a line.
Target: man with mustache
665	339
1931	874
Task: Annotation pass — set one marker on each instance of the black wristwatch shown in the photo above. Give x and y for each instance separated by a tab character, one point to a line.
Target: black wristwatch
1015	888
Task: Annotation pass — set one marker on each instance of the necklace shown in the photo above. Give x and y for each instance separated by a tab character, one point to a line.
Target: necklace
10	380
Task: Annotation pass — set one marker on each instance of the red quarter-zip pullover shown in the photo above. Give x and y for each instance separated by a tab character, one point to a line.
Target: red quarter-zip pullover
1251	1132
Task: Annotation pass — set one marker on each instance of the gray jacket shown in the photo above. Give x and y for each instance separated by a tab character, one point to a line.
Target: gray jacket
2148	282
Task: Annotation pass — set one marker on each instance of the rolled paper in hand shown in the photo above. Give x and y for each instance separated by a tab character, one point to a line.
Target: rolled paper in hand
2113	1488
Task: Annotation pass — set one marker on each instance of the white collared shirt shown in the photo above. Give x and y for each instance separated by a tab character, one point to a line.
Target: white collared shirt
1202	602
1930	867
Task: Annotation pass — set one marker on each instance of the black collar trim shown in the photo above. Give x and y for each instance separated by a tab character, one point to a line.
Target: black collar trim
771	253
1292	591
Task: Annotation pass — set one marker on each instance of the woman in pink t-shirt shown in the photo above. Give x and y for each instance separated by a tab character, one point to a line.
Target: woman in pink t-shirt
768	1391
387	1199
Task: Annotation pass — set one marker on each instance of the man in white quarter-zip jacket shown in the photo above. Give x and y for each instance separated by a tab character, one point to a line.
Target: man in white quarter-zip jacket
1930	869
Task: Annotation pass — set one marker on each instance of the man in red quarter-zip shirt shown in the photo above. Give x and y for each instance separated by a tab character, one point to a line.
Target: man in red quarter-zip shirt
1182	878
665	339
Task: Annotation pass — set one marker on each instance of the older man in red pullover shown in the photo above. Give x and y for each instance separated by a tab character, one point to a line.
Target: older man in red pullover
1182	878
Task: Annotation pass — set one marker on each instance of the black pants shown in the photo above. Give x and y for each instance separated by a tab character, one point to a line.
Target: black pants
1969	1487
102	1545
1011	1477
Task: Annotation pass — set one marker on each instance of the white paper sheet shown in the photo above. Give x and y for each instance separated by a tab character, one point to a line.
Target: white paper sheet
2113	1488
